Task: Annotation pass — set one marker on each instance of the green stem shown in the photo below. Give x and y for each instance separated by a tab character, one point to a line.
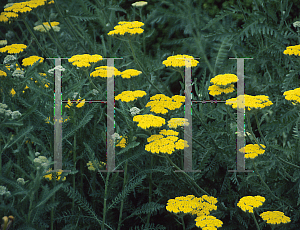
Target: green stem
147	76
37	41
191	179
144	46
52	210
105	199
150	189
257	226
259	130
182	222
74	161
122	201
250	128
263	182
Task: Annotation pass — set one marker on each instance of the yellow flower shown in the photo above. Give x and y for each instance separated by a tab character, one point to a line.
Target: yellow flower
58	177
127	27
293	95
139	4
31	60
81	103
4	17
129	73
2	73
217	90
175	122
178	61
102	72
91	165
46	27
149	120
13	92
60	121
290	50
208	222
84	60
224	79
20	7
250	102
159	103
122	143
275	217
247	203
130	95
13	49
160	144
252	150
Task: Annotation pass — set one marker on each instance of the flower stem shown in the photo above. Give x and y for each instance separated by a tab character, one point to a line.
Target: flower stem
250	128
182	222
257	226
150	189
122	201
105	199
191	179
259	130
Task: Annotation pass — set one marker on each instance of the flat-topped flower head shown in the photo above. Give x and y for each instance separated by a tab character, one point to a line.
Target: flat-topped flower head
46	26
130	73
105	71
252	150
160	103
247	203
31	60
293	95
275	217
179	61
127	96
292	50
13	49
84	60
127	27
139	4
250	102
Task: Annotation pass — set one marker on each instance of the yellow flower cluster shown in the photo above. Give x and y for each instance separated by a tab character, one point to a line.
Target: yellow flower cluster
196	206
102	71
127	27
81	104
149	120
160	144
275	217
293	95
91	165
60	121
179	61
2	73
290	50
13	49
250	102
175	122
123	142
129	73
139	4
252	151
46	27
159	103
130	95
247	203
222	84
84	60
58	177
31	60
11	10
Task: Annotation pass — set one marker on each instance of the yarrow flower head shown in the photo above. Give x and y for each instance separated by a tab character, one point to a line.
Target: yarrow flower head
149	120
58	175
134	111
84	60
9	58
293	95
180	61
105	71
46	27
13	49
160	144
252	151
175	122
290	50
247	203
127	27
296	24
222	84
160	103
250	102
130	95
275	217
59	67
130	73
31	60
3	42
139	4
92	165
